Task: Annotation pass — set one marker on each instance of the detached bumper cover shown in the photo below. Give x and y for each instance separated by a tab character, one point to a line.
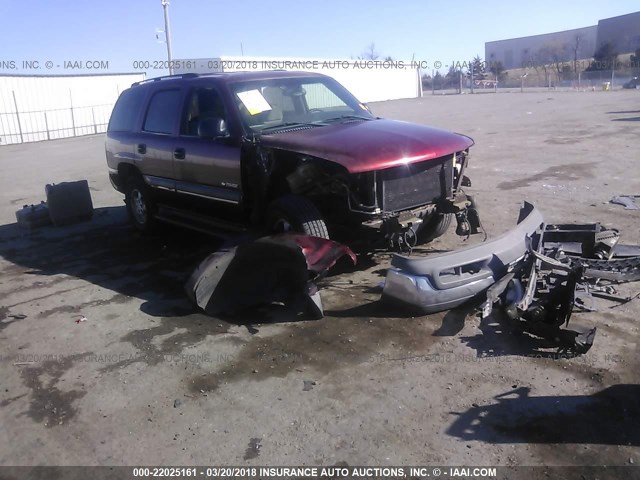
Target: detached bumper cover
440	282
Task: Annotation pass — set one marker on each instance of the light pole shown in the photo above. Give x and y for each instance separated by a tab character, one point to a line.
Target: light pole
167	32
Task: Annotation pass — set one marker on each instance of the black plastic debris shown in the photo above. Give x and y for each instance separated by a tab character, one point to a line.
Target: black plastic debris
69	202
280	269
540	295
596	249
542	289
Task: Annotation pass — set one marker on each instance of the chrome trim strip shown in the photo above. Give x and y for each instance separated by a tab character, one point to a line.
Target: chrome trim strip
160	183
218	194
207	197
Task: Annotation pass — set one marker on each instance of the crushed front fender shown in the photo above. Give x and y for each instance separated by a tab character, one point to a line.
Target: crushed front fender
440	282
278	269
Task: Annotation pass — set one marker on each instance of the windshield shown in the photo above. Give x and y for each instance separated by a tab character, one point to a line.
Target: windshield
269	105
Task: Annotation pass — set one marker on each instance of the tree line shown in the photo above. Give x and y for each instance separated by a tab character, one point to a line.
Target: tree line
552	57
550	61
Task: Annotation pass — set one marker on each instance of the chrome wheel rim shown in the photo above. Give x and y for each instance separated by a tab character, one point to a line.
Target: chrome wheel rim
138	207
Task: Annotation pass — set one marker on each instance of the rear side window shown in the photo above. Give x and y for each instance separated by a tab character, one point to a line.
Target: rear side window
126	110
163	111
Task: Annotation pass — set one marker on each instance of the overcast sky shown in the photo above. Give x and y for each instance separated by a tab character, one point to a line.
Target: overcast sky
123	31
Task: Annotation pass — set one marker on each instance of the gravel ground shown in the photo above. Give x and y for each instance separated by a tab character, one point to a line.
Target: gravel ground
147	379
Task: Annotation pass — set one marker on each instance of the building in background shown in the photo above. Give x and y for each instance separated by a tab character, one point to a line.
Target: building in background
581	43
623	32
34	108
524	51
368	80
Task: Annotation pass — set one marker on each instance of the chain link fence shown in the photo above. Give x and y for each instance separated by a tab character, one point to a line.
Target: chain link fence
21	126
531	80
37	108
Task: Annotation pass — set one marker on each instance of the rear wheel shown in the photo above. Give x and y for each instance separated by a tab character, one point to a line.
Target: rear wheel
140	205
435	226
297	214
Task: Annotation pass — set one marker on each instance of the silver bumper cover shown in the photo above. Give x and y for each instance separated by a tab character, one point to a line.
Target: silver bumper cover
440	282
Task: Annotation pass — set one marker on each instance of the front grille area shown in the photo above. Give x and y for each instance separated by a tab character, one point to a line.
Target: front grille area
415	184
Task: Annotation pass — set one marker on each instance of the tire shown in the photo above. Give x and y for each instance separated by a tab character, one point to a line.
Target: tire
434	227
140	204
298	214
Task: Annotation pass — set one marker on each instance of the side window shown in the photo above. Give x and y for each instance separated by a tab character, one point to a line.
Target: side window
126	110
202	103
163	109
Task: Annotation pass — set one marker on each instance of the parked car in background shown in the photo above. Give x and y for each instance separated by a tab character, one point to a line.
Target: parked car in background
280	151
633	83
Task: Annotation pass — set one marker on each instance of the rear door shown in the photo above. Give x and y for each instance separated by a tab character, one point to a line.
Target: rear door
208	168
121	133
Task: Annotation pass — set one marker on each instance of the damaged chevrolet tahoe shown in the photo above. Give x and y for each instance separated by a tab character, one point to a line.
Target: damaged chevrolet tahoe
278	151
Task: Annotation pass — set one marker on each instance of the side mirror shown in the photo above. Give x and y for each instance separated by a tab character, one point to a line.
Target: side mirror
213	127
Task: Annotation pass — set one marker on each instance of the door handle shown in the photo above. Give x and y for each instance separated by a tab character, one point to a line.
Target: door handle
142	148
179	153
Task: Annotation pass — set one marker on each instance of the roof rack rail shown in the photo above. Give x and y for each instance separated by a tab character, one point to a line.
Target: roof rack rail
166	77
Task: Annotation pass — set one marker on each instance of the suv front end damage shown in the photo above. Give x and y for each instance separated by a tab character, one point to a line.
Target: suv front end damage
401	200
398	201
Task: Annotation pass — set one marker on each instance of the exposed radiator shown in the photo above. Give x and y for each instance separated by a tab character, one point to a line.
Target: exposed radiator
416	184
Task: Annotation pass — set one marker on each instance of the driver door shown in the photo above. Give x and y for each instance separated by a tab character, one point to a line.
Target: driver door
207	168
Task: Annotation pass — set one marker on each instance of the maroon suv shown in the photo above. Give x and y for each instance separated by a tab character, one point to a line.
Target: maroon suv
280	151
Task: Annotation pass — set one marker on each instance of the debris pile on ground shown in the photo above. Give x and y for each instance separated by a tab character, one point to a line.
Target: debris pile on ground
280	269
536	273
67	203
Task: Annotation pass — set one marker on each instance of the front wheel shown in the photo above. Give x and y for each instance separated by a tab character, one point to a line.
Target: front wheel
296	213
140	205
435	226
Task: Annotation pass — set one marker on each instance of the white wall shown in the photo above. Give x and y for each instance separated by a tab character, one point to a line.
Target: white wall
91	96
369	82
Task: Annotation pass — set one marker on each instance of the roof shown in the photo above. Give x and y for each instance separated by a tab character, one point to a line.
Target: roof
233	76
